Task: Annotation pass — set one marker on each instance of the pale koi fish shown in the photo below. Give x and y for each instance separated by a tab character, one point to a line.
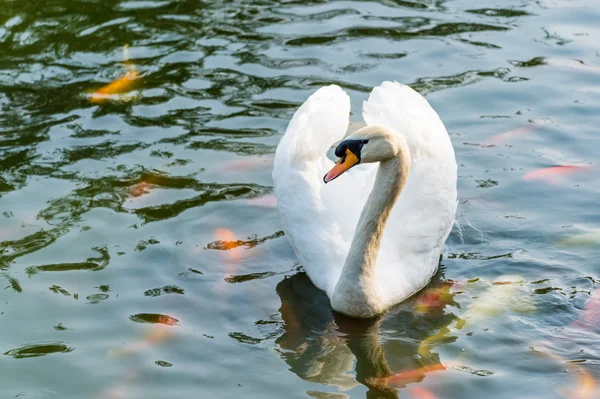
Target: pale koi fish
555	174
158	334
512	134
422	393
588	239
121	391
268	201
591	312
246	164
584	386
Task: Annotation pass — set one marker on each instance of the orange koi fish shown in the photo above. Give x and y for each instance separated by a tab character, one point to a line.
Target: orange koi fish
502	137
140	189
158	334
268	201
555	174
405	377
584	386
116	87
434	298
422	393
226	241
119	86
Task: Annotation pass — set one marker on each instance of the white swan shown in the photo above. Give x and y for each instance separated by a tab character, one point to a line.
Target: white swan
367	253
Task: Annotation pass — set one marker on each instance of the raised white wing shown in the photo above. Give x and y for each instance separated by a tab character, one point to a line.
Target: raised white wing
319	219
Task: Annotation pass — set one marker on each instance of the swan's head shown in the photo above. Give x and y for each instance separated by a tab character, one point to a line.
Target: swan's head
374	143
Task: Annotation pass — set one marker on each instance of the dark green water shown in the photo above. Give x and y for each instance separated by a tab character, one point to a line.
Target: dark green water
119	280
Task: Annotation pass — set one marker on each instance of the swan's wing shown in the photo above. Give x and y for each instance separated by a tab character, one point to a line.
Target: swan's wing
422	218
319	219
409	113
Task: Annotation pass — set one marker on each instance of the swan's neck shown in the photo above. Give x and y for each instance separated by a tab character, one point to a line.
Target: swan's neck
356	292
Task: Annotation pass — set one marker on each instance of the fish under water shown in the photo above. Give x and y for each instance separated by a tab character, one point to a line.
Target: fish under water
555	174
115	89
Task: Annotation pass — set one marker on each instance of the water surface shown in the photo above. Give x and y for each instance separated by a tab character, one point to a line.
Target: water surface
142	255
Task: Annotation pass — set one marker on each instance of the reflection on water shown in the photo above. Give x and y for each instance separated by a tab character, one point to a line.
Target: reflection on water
331	349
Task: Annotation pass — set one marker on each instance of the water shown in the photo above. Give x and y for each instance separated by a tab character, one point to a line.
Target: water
142	256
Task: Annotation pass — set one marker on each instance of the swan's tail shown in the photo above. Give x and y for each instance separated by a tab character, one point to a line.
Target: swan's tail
320	122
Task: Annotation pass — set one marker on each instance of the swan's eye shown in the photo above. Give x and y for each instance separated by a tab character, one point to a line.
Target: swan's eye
365	141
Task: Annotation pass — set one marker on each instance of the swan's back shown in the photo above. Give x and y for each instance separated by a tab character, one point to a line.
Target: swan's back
319	220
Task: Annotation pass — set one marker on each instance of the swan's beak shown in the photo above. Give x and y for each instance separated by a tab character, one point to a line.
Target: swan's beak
342	165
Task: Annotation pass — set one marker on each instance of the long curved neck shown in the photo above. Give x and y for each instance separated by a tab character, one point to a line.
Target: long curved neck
356	292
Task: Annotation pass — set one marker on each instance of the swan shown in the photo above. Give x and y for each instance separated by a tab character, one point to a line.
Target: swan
374	237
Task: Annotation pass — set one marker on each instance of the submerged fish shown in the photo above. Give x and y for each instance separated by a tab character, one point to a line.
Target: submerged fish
401	379
502	137
158	334
555	174
124	84
434	298
246	164
588	239
119	86
267	201
122	390
504	294
422	393
140	189
573	64
590	317
584	386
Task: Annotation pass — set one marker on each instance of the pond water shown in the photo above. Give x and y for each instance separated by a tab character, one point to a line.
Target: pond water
141	252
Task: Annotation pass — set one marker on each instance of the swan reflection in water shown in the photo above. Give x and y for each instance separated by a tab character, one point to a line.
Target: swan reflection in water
385	353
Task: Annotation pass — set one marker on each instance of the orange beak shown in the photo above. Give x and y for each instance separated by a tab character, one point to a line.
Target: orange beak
342	165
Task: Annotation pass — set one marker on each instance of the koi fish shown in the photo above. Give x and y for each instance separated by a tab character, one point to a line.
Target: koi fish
501	296
246	164
119	86
400	379
574	64
140	189
422	393
502	137
158	334
555	174
434	298
591	312
121	390
116	87
585	239
268	201
226	241
584	386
